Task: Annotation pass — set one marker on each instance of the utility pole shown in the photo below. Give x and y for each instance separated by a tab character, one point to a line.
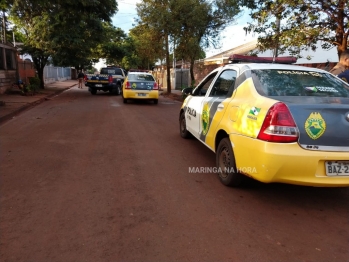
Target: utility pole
3	27
276	50
174	63
13	35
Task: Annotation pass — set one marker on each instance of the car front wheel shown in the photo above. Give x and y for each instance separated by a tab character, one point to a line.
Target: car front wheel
183	127
225	162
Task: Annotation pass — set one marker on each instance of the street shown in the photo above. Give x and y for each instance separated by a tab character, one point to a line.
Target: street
88	178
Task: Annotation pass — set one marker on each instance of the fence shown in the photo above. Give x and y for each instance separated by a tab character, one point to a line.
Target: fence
53	74
26	70
180	78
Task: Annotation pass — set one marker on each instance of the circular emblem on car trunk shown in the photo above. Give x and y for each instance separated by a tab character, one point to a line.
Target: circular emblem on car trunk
205	118
315	125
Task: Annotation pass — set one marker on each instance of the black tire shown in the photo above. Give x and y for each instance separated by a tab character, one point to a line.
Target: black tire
225	162
156	101
93	91
118	90
183	127
125	101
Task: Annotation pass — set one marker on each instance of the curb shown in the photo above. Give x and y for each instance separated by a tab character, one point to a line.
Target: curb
9	116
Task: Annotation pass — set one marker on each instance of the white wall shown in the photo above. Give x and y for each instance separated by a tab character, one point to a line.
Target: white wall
318	56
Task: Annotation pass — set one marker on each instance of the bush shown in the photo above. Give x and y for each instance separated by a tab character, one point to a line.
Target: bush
34	84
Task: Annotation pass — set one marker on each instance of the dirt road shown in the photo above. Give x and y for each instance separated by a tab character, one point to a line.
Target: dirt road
88	178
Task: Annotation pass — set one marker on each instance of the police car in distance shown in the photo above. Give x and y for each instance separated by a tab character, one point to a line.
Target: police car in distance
272	121
140	85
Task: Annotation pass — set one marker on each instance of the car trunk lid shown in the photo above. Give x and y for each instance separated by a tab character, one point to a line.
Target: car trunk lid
323	127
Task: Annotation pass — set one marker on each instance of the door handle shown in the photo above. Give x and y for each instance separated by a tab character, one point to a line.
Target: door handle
220	107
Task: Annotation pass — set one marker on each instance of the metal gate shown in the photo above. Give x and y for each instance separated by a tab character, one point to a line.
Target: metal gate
182	79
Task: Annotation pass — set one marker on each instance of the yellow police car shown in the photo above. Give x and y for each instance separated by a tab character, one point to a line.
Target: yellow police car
272	121
140	85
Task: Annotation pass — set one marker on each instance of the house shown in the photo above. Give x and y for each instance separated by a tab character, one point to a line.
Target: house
8	66
318	56
323	59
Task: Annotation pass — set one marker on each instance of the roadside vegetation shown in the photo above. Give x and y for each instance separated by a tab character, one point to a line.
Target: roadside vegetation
78	33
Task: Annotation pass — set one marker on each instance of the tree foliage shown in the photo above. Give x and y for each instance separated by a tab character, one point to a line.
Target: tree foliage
65	31
186	24
303	23
144	47
113	45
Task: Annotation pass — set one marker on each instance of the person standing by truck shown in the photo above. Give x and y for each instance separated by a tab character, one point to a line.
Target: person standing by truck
342	65
80	78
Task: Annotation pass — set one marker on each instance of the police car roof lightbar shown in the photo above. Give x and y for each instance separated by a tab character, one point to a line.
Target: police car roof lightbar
139	70
255	59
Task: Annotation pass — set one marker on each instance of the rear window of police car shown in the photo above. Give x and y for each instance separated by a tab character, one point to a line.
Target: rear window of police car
140	77
113	71
274	82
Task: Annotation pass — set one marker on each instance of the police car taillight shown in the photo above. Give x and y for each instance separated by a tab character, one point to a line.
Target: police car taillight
110	79
279	126
155	87
127	85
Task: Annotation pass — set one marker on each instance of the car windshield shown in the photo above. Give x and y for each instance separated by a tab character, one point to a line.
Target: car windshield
140	77
113	71
273	82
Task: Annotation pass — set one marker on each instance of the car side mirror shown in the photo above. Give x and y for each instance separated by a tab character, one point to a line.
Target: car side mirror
187	91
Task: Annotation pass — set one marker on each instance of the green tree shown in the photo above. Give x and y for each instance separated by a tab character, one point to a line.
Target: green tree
131	58
145	46
188	25
113	47
200	23
288	25
156	15
66	31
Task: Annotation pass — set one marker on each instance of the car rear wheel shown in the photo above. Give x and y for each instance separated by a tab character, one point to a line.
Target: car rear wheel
156	101
93	91
225	162
118	90
183	127
125	100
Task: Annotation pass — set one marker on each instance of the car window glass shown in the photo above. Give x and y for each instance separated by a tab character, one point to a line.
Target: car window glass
273	82
113	71
223	84
204	86
140	77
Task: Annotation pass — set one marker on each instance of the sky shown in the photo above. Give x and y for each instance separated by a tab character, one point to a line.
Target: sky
231	37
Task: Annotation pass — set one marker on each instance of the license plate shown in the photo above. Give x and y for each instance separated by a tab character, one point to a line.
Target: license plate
337	168
98	85
142	94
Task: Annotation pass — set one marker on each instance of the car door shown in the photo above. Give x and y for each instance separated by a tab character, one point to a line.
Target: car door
213	106
194	104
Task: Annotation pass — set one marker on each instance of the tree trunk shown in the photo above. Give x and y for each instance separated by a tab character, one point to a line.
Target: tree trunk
41	77
191	70
168	69
40	62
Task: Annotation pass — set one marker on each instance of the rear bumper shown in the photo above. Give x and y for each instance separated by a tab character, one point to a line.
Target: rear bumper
100	86
140	94
285	163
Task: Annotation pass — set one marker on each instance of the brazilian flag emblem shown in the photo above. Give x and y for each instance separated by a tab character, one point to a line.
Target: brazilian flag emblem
134	85
254	111
205	118
315	125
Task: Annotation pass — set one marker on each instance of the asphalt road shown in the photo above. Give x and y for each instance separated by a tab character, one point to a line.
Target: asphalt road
88	178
